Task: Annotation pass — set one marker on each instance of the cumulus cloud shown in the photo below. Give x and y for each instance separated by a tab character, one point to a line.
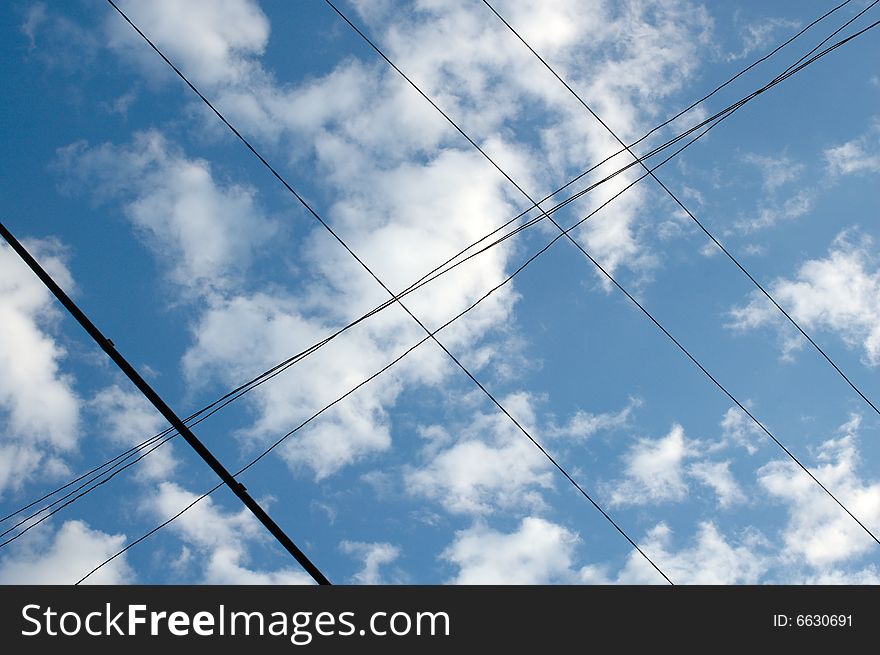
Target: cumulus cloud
710	558
537	552
775	171
374	556
58	42
759	34
838	293
214	41
583	424
718	477
127	419
490	466
738	429
361	112
205	232
64	557
818	530
280	324
777	212
221	539
276	329
39	409
861	155
408	191
654	470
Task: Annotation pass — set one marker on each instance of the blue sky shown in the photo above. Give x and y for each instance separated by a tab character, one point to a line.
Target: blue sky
204	271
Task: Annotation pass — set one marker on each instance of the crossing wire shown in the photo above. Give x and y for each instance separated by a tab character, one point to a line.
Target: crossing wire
363	265
604	272
118	463
125	454
697	221
165	523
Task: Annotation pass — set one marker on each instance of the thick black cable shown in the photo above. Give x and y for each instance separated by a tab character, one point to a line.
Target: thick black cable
150	394
678	201
606	273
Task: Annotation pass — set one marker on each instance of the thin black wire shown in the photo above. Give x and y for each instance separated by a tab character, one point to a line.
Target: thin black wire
271	373
834	33
431	275
389	365
498	229
237	393
675	198
607	274
490	292
330	230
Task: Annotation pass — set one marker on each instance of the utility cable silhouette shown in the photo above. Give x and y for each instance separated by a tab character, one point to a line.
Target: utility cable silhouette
372	274
150	394
610	278
684	208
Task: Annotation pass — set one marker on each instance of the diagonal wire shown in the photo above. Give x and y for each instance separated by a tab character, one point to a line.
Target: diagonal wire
674	197
508	279
385	368
120	459
416	284
341	242
609	276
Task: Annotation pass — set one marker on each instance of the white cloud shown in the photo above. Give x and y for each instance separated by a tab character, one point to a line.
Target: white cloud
538	552
654	470
760	34
490	466
818	530
354	429
221	539
400	175
775	171
739	429
717	475
861	155
464	59
211	40
39	408
866	576
374	556
770	215
583	424
72	551
839	293
127	419
204	232
58	42
34	18
709	559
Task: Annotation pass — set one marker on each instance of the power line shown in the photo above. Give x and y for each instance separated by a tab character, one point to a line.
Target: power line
834	33
421	280
458	316
385	368
119	461
143	386
675	198
607	274
330	230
